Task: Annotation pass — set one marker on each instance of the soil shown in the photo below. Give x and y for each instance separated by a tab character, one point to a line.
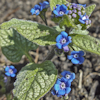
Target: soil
86	85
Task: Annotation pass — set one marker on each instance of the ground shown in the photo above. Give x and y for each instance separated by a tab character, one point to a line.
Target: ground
86	85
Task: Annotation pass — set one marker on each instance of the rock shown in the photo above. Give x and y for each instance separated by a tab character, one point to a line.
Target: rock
83	1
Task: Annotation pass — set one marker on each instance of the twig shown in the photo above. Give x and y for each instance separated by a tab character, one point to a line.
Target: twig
93	90
37	55
80	79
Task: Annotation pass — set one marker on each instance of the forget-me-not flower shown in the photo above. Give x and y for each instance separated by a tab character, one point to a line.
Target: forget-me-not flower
36	10
68	75
76	57
60	10
44	5
63	40
83	18
61	87
10	71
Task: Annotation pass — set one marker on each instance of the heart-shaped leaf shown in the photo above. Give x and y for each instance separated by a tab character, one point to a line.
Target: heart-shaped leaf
87	43
35	80
14	45
33	31
90	9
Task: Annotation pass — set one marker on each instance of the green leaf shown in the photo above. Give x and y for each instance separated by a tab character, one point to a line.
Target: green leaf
79	30
59	29
87	43
33	31
35	80
53	3
14	45
56	19
74	47
66	21
90	9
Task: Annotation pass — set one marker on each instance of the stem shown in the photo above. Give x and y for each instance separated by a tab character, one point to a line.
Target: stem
29	57
44	18
50	54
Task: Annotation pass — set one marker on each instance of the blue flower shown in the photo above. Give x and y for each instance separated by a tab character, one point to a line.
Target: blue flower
83	18
45	4
61	87
60	10
36	10
10	71
68	75
63	40
76	57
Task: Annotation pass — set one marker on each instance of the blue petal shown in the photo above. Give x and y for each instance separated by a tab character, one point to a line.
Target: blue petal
75	61
68	83
74	52
82	21
67	12
81	59
32	11
58	8
37	7
13	75
7	69
65	44
73	75
59	46
58	38
61	92
63	8
37	13
81	53
69	39
63	79
56	12
45	2
81	16
53	92
12	67
70	57
64	34
7	73
58	81
64	73
15	70
57	87
68	89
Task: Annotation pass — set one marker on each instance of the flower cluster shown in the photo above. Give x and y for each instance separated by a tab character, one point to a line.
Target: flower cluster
10	71
38	8
77	11
62	86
